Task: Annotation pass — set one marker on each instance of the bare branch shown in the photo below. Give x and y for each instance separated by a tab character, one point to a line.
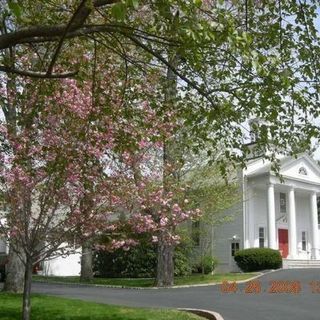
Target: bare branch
72	21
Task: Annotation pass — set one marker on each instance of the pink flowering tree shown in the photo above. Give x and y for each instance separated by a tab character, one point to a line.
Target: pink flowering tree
76	157
156	203
58	172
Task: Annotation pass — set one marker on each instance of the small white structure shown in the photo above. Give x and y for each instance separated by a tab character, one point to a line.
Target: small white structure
67	265
62	265
276	213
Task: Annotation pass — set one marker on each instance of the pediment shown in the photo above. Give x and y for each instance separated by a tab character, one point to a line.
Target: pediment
303	168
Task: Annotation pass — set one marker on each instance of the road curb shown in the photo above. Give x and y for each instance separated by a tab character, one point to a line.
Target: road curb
147	288
210	315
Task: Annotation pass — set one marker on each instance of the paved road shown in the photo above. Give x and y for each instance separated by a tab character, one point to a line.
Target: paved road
232	306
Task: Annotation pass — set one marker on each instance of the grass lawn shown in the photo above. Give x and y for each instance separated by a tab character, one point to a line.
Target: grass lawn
45	307
193	279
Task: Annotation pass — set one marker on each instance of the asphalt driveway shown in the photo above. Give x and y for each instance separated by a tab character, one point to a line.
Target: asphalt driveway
240	305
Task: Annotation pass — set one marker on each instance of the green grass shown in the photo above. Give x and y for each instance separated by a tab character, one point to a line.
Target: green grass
188	280
45	307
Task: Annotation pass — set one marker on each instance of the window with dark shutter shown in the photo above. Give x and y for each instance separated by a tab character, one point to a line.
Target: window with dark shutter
304	240
196	232
261	237
235	246
318	207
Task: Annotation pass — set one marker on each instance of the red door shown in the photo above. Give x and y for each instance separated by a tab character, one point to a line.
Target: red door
283	242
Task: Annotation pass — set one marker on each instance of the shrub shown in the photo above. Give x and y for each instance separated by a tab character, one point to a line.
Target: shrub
205	265
181	261
208	264
139	262
256	259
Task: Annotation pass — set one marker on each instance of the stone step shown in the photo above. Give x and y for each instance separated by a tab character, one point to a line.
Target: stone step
291	264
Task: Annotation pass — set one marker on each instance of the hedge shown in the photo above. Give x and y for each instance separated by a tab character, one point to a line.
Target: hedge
139	262
256	259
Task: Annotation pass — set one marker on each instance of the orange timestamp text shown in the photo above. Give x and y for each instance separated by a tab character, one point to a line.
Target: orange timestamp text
275	286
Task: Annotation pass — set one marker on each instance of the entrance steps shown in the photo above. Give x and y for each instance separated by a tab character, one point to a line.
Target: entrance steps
297	263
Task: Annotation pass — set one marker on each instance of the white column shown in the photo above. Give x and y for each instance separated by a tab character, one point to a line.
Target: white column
250	221
271	218
314	226
246	201
292	225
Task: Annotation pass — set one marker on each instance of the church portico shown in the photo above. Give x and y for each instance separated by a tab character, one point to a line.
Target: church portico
282	212
293	225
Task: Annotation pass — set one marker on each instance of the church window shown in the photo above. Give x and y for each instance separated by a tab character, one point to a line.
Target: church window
283	203
303	171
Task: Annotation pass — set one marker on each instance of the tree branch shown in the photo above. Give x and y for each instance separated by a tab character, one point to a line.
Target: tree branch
50	33
172	68
17	37
70	25
34	74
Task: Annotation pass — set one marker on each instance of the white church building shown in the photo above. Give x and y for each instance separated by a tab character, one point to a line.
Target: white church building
278	212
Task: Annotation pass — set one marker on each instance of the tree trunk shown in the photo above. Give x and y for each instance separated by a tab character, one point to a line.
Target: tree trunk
26	309
14	273
86	262
15	268
165	266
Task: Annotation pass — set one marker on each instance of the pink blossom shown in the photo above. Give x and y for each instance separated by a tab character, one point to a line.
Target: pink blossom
164	221
3	129
143	144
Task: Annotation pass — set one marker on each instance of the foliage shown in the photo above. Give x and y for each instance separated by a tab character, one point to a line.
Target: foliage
208	264
71	309
238	60
181	259
255	259
205	265
213	195
209	191
139	261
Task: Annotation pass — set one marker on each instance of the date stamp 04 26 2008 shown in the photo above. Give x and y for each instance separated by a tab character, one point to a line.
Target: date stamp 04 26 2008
276	286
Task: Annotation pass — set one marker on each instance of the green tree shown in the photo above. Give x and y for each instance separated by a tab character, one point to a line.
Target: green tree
213	194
